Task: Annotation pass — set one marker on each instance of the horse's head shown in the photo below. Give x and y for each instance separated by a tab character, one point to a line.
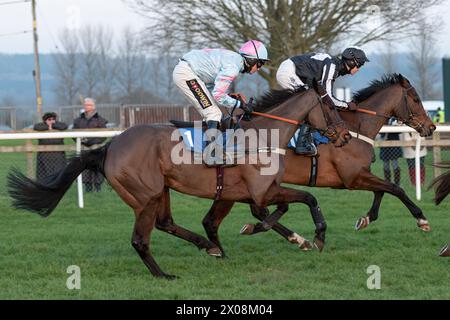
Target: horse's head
411	111
337	130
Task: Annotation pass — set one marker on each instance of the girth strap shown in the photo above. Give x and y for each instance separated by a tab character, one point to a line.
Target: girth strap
314	170
219	186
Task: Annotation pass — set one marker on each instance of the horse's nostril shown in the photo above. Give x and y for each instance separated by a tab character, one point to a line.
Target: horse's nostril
432	127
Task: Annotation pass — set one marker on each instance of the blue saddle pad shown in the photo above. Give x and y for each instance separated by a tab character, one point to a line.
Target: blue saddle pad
318	139
194	139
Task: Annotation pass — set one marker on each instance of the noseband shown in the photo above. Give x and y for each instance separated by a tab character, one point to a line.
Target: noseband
412	119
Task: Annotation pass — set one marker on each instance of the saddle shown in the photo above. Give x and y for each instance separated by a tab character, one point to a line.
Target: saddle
188	131
227	122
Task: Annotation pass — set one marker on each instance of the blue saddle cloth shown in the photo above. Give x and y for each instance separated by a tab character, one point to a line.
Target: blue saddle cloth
318	139
194	141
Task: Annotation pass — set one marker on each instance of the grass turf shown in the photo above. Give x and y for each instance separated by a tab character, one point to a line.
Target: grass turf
35	252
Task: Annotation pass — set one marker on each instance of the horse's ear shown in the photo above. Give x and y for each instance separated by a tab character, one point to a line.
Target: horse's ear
403	81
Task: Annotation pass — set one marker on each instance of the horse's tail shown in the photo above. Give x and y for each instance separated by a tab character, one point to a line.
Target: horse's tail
43	196
441	184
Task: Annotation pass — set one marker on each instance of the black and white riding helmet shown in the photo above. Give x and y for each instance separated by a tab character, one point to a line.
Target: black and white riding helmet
354	57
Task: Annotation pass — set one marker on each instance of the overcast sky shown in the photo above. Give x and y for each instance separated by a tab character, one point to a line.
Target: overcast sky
54	15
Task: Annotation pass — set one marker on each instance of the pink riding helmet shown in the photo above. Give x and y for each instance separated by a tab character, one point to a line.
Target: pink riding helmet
254	49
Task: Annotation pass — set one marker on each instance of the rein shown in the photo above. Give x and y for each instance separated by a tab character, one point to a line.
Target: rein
330	132
270	116
367	111
408	109
282	119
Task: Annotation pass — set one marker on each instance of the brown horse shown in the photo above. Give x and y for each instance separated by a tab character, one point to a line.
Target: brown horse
139	166
347	167
442	189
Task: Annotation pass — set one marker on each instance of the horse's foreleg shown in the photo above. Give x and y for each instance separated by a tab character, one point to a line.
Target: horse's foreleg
267	223
372	215
367	181
283	196
211	222
291	236
165	223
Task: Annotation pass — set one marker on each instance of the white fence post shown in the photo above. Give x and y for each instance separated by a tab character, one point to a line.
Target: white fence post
80	178
418	178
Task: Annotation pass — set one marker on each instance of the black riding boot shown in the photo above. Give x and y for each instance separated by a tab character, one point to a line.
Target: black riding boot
210	156
305	143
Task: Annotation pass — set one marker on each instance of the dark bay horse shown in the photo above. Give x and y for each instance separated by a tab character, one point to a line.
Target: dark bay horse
441	184
138	165
347	167
442	189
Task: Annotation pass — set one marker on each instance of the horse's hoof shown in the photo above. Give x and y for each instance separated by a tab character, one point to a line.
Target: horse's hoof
424	226
445	251
319	244
247	229
296	239
362	223
306	246
169	276
215	252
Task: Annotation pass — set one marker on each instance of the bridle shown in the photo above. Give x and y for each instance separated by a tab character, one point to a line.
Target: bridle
331	131
412	119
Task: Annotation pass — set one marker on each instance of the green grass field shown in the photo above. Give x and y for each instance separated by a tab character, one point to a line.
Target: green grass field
35	252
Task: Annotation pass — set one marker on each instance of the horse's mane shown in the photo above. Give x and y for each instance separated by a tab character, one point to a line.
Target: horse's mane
377	85
441	184
274	98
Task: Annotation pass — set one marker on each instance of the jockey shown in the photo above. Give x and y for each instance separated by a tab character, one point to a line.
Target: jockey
302	70
205	77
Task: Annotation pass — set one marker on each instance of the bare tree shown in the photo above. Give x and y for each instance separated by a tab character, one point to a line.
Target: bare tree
89	60
67	68
106	66
288	27
8	101
133	68
387	58
424	59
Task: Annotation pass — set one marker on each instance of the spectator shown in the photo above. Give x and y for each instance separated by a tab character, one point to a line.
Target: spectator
90	119
49	162
440	116
390	155
409	153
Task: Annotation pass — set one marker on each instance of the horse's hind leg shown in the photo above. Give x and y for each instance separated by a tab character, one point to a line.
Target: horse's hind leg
262	213
372	215
164	222
145	221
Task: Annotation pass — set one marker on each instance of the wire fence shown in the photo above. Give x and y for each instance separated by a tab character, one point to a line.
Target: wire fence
125	116
394	159
118	116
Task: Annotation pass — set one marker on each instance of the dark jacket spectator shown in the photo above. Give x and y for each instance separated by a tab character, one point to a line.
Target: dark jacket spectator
49	162
390	156
90	119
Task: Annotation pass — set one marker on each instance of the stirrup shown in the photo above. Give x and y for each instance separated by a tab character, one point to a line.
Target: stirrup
307	153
